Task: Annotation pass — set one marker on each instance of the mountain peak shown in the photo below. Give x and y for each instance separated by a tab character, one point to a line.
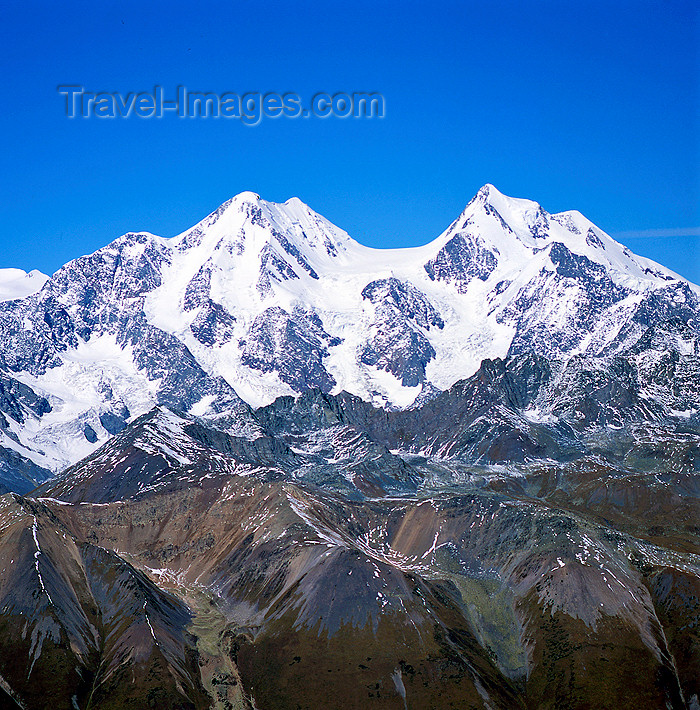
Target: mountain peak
245	196
485	191
291	206
489	194
16	283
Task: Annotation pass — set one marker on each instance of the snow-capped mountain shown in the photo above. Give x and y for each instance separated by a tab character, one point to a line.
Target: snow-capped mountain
15	283
275	299
481	489
261	299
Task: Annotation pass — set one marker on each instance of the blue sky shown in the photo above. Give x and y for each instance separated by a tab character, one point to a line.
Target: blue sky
589	106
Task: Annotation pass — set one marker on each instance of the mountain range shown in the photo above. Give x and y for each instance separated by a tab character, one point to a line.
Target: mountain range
262	300
259	465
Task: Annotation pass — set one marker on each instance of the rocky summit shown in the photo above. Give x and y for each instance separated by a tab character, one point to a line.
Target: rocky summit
261	466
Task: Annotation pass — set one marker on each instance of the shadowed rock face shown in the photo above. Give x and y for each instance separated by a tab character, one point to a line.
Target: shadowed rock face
462	259
293	346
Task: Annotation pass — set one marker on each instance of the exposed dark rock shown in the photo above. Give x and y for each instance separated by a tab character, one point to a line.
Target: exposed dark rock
463	258
279	342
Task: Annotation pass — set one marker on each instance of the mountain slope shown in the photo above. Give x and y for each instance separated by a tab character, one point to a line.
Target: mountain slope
516	584
80	627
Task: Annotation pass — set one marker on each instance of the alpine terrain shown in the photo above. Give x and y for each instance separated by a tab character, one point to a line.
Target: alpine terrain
261	466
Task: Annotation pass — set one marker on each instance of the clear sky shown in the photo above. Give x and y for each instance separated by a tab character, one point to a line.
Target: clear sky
578	105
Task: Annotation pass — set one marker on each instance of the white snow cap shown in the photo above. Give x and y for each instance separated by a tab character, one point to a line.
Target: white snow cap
15	283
